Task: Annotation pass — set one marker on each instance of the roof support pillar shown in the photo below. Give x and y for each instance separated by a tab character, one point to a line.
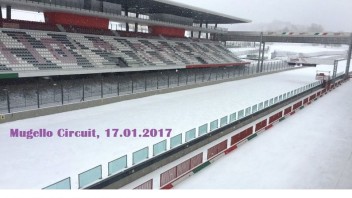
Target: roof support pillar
200	32
8	12
192	34
87	4
214	35
126	14
206	25
0	12
349	57
136	24
101	6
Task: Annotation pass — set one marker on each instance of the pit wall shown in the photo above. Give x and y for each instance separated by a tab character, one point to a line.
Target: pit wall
172	174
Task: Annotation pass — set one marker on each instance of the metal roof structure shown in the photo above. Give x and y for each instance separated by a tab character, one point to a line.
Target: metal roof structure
288	37
143	7
179	9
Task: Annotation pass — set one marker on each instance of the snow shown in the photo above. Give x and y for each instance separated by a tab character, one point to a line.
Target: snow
40	162
311	149
303	48
295	48
243	49
341	68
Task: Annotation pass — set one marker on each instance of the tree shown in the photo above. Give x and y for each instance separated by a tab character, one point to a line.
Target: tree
315	28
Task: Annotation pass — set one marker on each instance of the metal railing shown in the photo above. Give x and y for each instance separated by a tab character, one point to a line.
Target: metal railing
27	95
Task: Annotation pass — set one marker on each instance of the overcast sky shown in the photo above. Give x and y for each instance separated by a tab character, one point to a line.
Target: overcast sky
333	15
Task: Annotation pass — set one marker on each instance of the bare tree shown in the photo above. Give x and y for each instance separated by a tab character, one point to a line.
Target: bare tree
315	28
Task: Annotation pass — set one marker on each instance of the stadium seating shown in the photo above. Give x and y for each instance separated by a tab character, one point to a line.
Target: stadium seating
22	50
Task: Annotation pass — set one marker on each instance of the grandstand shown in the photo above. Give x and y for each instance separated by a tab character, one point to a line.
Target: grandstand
75	47
75	41
37	50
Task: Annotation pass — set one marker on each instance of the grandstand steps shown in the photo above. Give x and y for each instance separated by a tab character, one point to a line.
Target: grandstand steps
162	37
167	47
115	33
62	29
74	42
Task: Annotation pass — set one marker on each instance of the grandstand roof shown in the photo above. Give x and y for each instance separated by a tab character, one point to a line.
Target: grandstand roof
179	9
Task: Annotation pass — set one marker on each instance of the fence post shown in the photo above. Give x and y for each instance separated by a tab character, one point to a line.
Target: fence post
272	68
68	95
157	80
8	100
145	82
195	77
62	92
54	93
37	92
83	87
268	67
101	87
168	79
132	84
178	78
203	77
118	86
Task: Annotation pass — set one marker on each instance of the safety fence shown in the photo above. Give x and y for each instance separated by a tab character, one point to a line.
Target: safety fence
29	94
120	164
